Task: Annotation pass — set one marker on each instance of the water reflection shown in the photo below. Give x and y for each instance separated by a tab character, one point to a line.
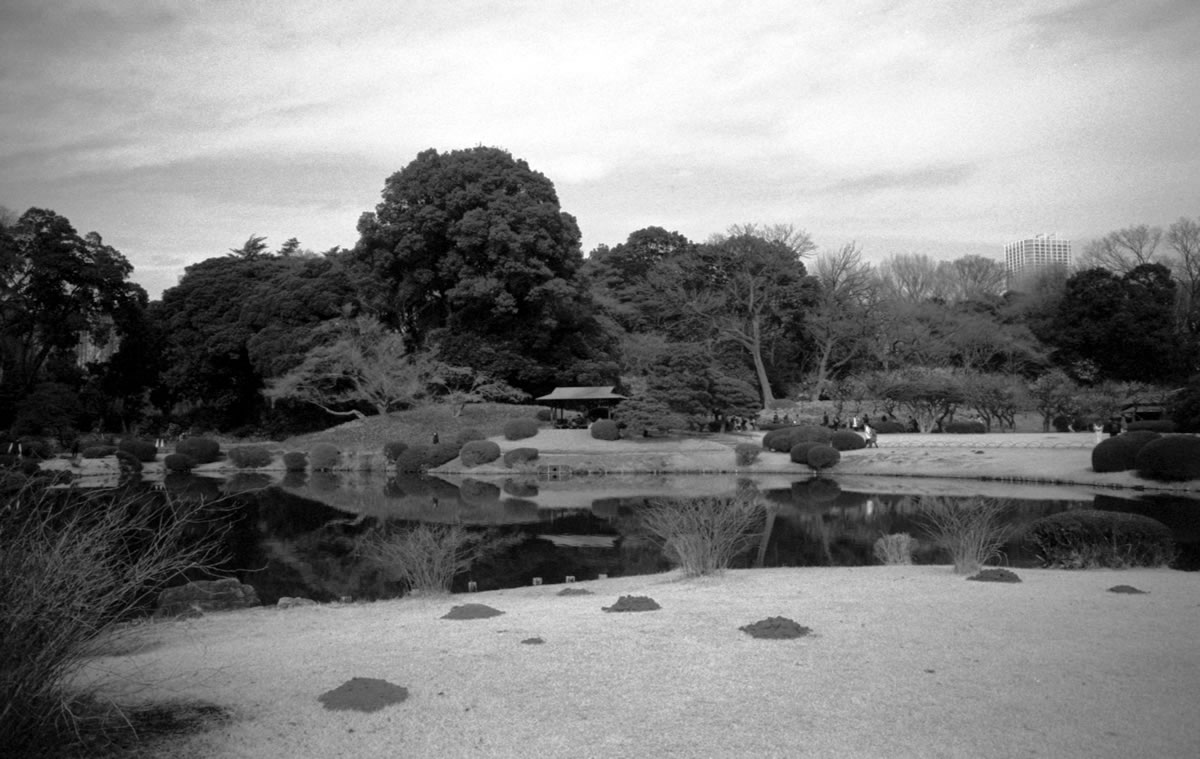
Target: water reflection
300	536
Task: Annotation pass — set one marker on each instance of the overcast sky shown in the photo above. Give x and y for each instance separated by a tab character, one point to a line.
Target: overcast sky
178	129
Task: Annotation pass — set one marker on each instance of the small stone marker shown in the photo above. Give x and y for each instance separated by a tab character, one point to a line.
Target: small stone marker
363	694
1126	589
472	611
633	603
775	627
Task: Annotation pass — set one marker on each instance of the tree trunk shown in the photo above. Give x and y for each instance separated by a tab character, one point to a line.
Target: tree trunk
759	367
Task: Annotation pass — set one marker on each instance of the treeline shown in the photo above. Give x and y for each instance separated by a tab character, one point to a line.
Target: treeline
468	282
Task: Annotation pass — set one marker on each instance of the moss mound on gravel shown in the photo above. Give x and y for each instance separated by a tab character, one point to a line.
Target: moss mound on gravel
995	574
633	603
775	627
363	694
472	611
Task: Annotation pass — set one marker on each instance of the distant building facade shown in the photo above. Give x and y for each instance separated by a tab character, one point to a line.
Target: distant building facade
1025	257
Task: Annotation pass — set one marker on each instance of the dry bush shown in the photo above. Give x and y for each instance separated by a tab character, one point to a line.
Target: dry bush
703	535
74	567
427	556
974	531
895	549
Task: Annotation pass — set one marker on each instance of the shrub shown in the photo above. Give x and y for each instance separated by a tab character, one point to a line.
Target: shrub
544	414
1087	538
479	452
523	488
519	456
784	438
1153	425
478	492
414	458
1172	457
392	450
128	463
441	453
519	429
1119	454
799	452
847	440
295	461
144	450
466	436
73	567
973	532
966	427
98	451
324	457
179	462
746	453
815	490
823	457
427	556
703	535
889	428
250	456
605	429
894	549
204	450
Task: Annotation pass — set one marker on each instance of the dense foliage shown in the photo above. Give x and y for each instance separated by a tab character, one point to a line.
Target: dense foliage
1088	538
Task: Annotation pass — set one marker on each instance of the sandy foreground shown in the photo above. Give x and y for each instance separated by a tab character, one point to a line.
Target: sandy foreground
901	662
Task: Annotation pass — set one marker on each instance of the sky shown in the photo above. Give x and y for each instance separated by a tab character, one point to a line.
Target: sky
177	130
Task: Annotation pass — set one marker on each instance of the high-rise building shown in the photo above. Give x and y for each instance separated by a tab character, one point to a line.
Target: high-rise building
1024	257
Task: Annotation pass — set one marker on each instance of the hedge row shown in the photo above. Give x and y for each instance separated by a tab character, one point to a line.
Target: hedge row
1089	538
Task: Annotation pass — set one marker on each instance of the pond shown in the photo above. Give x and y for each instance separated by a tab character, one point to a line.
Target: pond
301	536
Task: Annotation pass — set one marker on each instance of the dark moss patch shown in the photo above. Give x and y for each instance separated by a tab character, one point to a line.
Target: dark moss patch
633	603
775	627
472	611
1126	589
575	592
533	641
994	575
363	694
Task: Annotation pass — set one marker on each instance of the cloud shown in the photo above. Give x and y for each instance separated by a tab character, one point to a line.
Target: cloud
922	178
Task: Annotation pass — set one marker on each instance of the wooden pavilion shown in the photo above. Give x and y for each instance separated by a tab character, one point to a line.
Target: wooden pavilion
588	402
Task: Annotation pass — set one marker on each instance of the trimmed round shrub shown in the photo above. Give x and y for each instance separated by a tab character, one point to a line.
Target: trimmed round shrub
323	457
1171	457
128	463
392	450
1088	538
479	452
143	449
1119	454
968	427
1153	425
519	429
519	456
605	429
465	436
98	451
746	453
413	458
179	462
250	456
815	490
799	452
202	449
823	457
889	428
785	438
544	414
295	461
442	453
847	440
35	448
478	493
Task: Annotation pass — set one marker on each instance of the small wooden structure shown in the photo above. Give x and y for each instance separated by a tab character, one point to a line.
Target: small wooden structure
589	402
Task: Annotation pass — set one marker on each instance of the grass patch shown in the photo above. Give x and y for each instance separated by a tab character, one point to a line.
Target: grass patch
417	426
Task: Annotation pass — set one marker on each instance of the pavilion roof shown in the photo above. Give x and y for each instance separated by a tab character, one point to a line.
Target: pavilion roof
603	393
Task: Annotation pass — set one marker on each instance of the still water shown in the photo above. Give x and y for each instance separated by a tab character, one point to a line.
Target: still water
300	536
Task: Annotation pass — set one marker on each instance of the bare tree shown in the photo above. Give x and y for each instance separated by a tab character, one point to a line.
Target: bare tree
843	320
972	278
1183	237
911	277
1124	250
